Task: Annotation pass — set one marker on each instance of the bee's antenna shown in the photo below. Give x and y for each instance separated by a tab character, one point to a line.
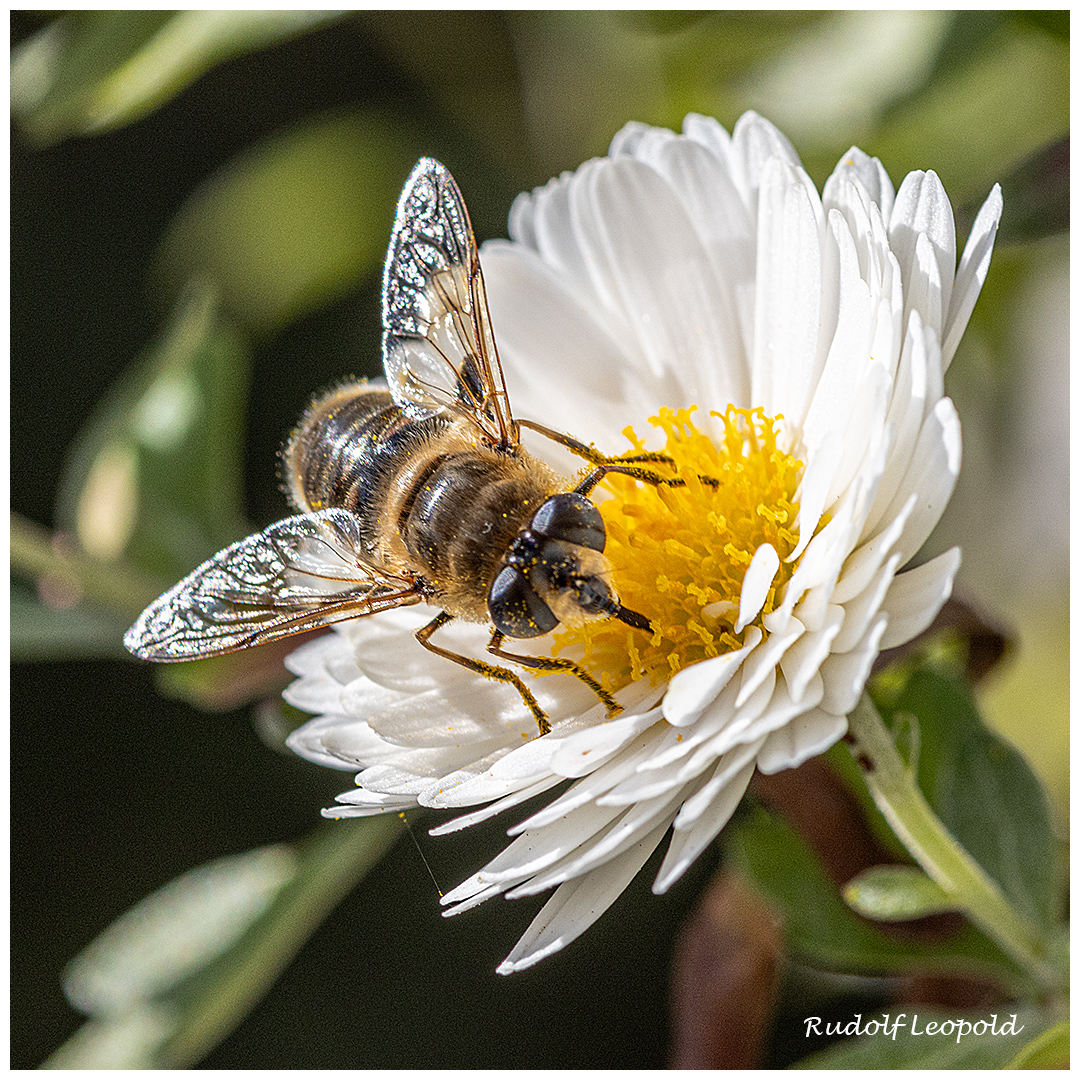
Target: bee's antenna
631	618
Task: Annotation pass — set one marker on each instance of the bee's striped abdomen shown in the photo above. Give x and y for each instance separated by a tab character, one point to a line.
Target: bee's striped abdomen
348	451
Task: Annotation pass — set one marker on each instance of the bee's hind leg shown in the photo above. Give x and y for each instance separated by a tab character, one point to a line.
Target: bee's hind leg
489	671
551	663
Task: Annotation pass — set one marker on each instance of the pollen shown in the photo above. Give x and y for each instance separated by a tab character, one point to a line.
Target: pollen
679	553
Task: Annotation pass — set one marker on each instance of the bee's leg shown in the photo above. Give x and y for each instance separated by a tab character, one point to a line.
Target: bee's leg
590	453
645	475
607	464
551	663
489	671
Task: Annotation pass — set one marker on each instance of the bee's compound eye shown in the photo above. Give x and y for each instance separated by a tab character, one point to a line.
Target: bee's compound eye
571	517
515	608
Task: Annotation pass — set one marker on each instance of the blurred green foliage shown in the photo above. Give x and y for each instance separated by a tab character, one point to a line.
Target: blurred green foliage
89	71
254	172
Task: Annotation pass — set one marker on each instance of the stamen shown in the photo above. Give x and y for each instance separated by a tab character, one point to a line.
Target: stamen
679	553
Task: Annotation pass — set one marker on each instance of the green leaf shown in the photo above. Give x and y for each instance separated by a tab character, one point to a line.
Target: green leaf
932	1039
96	70
177	930
978	785
896	893
155	477
172	977
824	932
1049	1051
294	222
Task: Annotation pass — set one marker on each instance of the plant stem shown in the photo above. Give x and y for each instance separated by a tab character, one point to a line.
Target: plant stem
937	851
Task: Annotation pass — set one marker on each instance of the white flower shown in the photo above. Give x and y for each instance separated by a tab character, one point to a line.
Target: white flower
704	270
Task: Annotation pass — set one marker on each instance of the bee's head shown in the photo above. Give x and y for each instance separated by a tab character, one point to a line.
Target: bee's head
555	572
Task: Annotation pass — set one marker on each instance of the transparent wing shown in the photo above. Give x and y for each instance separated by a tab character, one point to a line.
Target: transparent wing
438	347
304	572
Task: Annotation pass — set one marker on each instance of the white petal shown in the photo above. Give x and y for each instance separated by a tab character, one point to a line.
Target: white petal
778	710
845	674
583	752
330	654
864	561
785	360
577	904
693	689
923	287
479	781
666	289
801	661
756	584
971	273
360	697
799	740
341	742
650	784
544	216
628	139
657	780
474	900
817	481
414	771
497	807
916	596
537	849
678	742
821	562
830	408
687	844
367	804
754	142
765	658
869	173
864	432
708	132
859	611
623	833
728	766
935	465
387	653
548	341
314	694
594	784
923	213
910	403
726	229
472	712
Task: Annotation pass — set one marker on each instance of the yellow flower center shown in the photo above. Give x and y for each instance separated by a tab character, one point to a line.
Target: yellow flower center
679	554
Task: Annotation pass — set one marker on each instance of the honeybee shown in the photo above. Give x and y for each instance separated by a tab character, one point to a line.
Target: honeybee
417	490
